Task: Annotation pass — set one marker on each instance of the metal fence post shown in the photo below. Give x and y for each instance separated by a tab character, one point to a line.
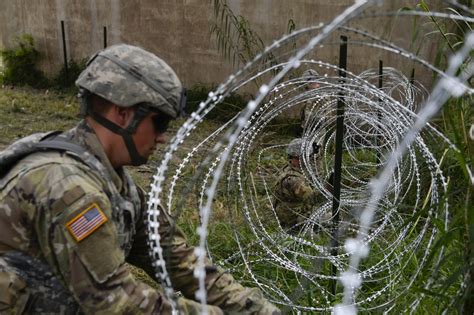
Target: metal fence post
379	113
338	157
105	37
66	67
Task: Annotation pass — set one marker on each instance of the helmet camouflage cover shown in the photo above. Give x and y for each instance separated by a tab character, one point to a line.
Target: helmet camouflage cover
294	148
310	74
128	75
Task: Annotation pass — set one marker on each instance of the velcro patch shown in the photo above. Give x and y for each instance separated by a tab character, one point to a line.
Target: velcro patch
86	222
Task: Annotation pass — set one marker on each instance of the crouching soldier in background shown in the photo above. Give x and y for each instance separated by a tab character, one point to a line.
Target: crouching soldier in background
315	113
294	198
310	77
71	216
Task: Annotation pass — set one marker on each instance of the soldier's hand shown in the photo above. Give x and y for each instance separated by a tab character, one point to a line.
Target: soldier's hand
190	307
316	148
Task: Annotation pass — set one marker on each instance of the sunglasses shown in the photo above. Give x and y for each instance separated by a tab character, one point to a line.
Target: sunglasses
161	122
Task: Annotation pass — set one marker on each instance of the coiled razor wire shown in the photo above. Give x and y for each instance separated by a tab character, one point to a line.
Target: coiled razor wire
390	173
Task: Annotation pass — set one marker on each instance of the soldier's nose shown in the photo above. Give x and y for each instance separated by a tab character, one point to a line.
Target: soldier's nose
161	138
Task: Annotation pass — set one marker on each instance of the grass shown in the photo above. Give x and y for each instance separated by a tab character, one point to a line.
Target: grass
24	111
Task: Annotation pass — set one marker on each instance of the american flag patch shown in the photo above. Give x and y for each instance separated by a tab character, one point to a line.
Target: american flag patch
86	222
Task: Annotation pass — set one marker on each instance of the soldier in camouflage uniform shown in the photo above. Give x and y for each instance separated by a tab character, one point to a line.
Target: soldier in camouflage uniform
309	76
71	217
314	120
294	198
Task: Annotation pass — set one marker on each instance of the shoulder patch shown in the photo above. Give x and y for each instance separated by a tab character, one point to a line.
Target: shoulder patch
86	222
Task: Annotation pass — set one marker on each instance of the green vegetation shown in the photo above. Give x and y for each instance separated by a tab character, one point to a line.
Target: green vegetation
457	117
236	39
457	241
20	68
24	111
232	105
226	109
64	79
20	64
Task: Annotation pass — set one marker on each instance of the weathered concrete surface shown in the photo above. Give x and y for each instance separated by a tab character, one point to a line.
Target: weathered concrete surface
178	31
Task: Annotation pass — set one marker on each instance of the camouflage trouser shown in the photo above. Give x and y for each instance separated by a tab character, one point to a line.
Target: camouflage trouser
290	215
27	286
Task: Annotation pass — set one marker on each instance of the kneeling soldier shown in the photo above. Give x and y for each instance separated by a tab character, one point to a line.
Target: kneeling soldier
71	216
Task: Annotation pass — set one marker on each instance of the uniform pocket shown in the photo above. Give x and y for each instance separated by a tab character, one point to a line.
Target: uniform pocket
13	293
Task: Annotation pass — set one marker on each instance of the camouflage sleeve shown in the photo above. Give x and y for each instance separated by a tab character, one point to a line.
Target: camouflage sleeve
298	189
222	289
139	253
86	257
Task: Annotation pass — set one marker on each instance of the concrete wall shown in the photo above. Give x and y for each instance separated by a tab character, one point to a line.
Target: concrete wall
178	30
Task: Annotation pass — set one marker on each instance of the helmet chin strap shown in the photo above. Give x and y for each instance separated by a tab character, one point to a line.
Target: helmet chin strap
140	113
136	158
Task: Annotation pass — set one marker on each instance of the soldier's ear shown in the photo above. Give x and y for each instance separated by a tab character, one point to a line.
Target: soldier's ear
122	115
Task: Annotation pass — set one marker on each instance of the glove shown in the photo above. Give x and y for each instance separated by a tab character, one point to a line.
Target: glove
316	148
268	309
190	307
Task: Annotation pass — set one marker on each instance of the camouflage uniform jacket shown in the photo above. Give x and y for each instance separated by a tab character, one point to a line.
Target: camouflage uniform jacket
315	119
308	113
50	262
293	197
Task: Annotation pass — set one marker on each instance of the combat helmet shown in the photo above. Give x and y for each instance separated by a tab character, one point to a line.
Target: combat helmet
309	79
295	148
310	74
126	76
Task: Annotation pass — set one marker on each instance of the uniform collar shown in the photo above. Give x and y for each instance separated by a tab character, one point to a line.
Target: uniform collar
293	168
84	135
